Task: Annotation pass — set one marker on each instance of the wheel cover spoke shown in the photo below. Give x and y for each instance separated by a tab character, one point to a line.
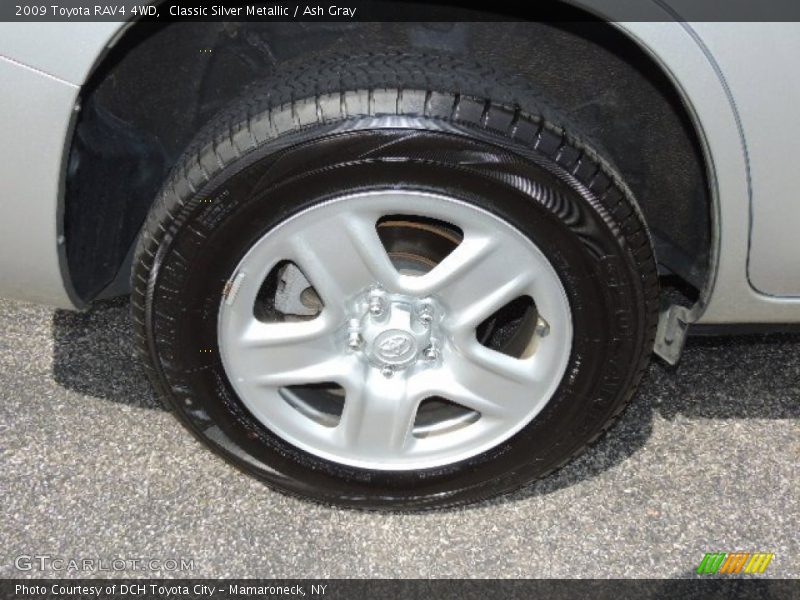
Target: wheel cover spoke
343	255
290	353
378	416
489	382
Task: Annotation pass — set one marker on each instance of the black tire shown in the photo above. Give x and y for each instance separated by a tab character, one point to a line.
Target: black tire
313	134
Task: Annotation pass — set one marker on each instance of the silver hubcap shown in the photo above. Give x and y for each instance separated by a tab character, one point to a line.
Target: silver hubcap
409	383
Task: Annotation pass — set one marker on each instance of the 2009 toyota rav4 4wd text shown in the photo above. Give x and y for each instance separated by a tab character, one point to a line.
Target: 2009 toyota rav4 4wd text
403	265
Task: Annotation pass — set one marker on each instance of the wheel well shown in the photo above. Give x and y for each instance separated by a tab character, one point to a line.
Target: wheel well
160	83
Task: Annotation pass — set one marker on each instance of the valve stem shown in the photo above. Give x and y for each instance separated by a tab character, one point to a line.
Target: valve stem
542	328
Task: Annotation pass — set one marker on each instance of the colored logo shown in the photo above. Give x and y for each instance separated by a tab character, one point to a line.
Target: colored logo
733	563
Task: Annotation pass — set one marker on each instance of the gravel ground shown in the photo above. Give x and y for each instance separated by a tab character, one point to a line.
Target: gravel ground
705	459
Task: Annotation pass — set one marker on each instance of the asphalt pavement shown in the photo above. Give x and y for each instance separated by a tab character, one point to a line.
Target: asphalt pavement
91	466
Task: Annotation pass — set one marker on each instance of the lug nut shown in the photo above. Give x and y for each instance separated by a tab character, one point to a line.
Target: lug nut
376	306
430	353
425	315
354	340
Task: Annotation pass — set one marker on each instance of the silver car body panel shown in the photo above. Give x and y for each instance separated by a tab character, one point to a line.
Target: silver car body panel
35	114
766	91
42	66
735	79
715	102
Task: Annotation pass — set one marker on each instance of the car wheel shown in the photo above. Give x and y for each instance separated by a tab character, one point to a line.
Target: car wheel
394	282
